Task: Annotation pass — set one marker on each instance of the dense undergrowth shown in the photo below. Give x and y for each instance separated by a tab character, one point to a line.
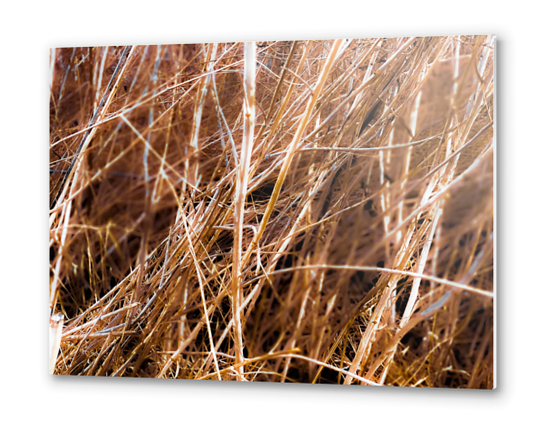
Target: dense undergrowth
315	211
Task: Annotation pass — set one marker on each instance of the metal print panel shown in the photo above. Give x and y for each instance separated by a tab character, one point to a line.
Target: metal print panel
305	211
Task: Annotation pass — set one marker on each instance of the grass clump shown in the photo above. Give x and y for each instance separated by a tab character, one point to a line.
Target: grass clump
308	211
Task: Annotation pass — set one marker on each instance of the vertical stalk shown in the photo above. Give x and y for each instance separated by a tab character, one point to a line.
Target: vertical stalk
240	194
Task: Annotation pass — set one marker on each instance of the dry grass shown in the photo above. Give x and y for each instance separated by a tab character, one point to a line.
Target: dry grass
314	211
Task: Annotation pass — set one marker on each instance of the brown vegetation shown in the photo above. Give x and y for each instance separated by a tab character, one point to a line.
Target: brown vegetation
315	211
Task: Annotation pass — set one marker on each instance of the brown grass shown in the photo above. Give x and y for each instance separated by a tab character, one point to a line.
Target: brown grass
315	211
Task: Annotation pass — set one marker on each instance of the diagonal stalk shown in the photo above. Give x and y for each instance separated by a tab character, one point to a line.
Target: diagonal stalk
293	145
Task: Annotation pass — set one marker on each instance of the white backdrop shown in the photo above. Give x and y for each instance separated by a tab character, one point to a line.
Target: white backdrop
29	29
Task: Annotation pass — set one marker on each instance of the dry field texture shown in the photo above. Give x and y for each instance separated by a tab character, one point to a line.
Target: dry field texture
307	211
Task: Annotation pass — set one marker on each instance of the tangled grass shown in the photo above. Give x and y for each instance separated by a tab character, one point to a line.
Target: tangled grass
316	211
